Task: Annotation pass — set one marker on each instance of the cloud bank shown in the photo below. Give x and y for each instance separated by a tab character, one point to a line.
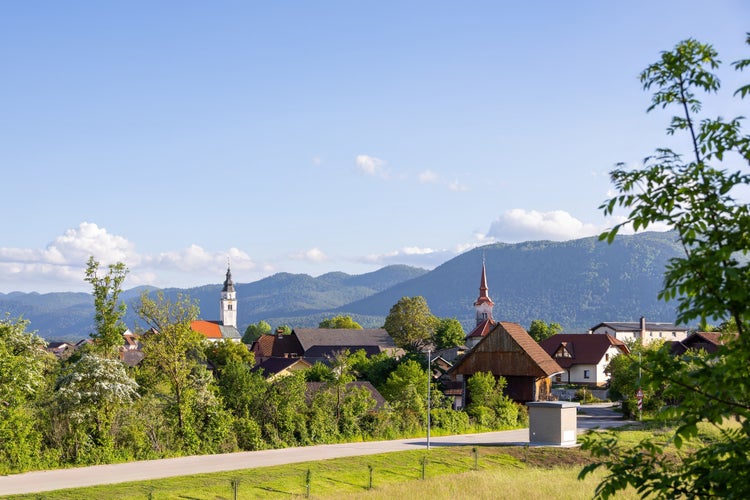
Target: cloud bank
61	265
522	225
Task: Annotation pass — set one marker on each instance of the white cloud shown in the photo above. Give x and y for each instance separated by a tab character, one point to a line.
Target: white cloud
557	225
75	246
311	255
457	187
428	177
372	166
411	256
61	265
628	228
522	225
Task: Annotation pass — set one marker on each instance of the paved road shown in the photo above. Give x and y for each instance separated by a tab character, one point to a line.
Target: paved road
40	481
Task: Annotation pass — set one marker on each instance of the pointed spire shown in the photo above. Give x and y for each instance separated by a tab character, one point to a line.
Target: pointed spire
483	289
228	285
484	303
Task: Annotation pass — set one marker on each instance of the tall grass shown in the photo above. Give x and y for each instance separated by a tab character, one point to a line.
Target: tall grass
455	472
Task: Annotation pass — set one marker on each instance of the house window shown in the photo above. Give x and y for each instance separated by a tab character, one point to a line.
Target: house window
606	357
562	352
558	378
674	334
230	307
586	373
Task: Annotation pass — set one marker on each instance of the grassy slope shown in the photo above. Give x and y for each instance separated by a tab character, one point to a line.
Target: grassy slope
503	472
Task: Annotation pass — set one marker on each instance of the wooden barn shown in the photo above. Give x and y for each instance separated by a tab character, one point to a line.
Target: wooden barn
509	351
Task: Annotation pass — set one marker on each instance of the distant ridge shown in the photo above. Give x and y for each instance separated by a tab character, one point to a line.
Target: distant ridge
69	315
576	283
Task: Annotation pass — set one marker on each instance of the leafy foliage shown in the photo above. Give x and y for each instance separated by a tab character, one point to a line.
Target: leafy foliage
88	395
695	196
411	324
109	310
540	330
449	333
254	331
345	322
23	364
283	330
488	405
172	350
225	351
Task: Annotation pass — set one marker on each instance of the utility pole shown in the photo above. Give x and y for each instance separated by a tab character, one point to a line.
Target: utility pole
429	379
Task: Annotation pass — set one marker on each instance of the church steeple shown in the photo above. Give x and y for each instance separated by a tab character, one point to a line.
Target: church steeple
228	301
484	303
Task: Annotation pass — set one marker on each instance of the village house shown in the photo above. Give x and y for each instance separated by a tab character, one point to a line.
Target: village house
700	341
62	350
583	357
274	368
641	331
321	344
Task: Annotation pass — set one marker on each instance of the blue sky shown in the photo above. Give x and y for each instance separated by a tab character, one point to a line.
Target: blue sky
320	136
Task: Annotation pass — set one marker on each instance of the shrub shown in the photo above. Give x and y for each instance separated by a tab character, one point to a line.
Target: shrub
452	421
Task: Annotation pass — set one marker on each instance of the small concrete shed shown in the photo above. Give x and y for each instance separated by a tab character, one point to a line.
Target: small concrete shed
553	423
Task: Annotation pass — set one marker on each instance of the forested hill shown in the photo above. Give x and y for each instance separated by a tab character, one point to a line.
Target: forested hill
71	315
576	283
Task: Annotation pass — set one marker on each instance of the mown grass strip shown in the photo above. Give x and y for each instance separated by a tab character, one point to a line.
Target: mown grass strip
347	477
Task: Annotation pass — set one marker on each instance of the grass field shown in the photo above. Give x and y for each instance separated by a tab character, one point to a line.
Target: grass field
456	472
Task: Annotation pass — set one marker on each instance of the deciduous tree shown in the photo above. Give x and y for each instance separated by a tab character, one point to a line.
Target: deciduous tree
23	364
540	330
253	332
449	333
88	394
695	194
109	310
171	351
411	324
344	322
283	330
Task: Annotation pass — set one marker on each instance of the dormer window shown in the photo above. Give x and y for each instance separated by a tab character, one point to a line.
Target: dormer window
562	352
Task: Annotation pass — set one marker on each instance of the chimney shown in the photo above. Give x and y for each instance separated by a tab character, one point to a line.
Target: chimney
643	328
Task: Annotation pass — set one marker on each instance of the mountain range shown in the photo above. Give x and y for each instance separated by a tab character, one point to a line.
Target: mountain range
577	283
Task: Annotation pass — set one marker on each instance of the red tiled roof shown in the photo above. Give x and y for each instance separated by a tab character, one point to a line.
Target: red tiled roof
277	346
585	349
208	329
482	329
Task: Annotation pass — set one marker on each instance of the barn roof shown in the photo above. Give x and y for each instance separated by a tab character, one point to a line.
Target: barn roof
507	350
343	338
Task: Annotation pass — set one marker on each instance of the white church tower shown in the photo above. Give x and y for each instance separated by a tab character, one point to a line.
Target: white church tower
228	302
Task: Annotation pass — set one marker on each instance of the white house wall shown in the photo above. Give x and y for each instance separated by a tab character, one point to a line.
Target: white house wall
649	337
577	373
